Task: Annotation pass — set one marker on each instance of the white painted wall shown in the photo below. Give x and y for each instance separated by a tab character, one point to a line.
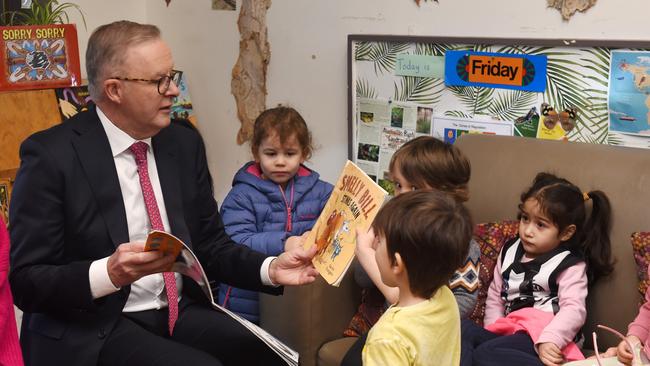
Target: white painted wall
97	13
308	44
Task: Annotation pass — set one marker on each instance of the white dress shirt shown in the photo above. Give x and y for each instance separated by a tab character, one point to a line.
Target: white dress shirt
148	292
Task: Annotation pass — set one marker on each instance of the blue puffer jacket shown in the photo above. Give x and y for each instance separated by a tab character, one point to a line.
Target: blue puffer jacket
255	214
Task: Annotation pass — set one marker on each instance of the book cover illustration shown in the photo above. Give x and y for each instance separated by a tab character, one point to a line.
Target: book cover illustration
5	193
182	104
72	100
39	57
187	264
354	203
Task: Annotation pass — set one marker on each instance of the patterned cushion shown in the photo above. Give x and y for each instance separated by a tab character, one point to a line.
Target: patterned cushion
370	310
641	248
490	238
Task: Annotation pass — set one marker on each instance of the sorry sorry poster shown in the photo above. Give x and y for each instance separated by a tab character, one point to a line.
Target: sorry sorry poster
39	57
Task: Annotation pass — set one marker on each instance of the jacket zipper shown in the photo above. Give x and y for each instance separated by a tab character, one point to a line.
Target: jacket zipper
288	206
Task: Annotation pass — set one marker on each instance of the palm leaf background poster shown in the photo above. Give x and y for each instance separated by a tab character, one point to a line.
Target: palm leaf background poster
573	106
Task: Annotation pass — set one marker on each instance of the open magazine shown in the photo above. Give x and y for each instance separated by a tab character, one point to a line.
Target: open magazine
354	203
187	264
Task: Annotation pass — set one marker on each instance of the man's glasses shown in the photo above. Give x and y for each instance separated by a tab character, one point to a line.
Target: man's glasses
162	83
566	118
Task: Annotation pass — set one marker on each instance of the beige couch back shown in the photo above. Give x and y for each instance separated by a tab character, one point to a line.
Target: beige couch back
503	167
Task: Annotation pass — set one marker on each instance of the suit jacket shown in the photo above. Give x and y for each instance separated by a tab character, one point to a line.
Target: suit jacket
67	211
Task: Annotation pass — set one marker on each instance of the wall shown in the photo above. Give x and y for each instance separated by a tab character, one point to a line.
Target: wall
308	46
97	13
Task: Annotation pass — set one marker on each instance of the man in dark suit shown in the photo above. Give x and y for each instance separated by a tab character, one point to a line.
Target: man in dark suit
86	194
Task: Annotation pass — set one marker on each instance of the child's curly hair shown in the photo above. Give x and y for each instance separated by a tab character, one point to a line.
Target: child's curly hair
285	122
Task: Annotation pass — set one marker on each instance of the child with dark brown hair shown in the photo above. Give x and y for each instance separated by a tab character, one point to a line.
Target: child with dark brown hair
418	240
424	163
536	301
273	197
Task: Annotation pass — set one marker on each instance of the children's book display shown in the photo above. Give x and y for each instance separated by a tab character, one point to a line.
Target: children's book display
72	100
188	265
5	193
39	57
354	203
182	104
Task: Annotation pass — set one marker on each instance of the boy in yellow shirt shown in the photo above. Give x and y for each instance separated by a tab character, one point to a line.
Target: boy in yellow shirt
421	239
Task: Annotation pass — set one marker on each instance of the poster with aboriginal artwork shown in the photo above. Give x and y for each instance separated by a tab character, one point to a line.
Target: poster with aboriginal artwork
39	57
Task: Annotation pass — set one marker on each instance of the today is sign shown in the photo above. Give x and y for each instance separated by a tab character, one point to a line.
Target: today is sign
420	66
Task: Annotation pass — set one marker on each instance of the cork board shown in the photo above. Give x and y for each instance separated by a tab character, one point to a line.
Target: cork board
24	113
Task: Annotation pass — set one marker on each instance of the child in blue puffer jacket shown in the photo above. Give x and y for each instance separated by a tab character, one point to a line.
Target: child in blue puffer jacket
273	197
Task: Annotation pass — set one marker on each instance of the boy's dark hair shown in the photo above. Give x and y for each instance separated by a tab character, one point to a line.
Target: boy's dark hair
431	232
285	122
439	165
564	203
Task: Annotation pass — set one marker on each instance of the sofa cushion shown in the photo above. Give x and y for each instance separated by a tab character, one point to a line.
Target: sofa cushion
369	311
490	237
641	248
332	353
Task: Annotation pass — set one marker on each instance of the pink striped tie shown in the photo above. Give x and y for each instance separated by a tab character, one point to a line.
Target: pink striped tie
139	149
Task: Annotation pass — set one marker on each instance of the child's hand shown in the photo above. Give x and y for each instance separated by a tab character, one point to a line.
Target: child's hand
295	241
550	354
611	352
624	353
365	243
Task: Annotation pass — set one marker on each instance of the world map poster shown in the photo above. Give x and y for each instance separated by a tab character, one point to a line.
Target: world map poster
629	92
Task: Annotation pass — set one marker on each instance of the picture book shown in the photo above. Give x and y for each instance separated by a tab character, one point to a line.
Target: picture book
39	57
188	265
182	104
354	203
72	100
5	193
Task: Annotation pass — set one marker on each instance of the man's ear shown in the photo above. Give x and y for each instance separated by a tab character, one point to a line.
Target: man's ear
568	232
113	90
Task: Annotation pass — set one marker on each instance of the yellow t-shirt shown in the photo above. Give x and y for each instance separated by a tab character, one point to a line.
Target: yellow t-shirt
427	333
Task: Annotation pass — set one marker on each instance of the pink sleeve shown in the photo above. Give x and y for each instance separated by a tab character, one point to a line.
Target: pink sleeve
640	327
4	255
10	353
572	292
494	305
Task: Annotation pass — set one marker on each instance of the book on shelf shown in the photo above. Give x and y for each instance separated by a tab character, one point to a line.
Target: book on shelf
188	265
354	203
182	104
72	100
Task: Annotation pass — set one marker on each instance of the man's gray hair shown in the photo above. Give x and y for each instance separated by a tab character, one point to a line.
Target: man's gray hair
107	49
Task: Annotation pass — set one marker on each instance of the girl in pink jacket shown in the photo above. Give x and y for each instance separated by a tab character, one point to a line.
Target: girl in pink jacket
638	333
10	354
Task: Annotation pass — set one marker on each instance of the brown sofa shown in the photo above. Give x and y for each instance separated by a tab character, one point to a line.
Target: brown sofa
310	318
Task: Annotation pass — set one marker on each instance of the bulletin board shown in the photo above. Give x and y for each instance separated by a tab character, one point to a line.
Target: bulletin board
601	88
